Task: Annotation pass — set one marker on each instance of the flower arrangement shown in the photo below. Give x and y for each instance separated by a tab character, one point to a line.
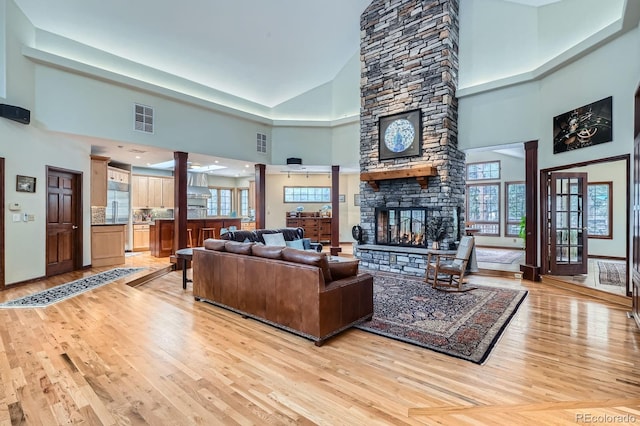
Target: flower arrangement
436	229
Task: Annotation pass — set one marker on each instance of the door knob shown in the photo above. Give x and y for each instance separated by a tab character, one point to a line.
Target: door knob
74	227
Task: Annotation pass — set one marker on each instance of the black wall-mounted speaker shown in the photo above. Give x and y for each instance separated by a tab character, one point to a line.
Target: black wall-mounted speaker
292	161
15	113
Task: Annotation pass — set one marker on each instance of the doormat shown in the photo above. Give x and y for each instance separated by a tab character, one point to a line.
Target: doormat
62	292
463	325
612	273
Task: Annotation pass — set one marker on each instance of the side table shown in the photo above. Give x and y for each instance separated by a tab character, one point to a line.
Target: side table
185	254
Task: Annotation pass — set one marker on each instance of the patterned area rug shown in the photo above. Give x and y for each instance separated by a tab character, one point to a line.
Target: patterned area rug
498	256
65	291
612	273
464	325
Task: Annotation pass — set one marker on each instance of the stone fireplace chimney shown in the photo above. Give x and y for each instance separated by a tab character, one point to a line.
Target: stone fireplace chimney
409	55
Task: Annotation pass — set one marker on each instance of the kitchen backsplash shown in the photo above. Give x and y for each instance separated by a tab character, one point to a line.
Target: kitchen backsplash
98	215
143	215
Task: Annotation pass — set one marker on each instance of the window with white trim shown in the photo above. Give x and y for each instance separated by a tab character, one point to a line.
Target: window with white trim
483	171
515	207
307	194
483	208
599	210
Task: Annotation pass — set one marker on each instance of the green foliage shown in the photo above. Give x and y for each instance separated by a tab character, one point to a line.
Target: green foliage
522	233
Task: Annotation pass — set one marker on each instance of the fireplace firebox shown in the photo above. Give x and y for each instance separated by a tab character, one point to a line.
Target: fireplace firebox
402	226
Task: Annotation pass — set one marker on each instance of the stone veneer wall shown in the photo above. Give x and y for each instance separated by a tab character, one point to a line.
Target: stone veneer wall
409	56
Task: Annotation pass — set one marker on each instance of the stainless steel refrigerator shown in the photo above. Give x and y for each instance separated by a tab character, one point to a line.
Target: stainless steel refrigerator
118	203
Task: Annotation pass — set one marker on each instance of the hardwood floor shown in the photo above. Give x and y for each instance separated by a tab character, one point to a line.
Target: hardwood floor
152	355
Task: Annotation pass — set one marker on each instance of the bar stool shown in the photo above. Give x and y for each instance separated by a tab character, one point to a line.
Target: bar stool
205	233
189	238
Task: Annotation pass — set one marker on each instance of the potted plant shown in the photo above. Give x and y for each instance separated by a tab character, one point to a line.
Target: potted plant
436	231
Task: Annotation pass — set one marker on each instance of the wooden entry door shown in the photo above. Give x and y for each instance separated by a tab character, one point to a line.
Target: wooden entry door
64	217
567	224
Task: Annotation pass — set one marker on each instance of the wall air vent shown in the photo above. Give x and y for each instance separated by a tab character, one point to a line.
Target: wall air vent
143	118
261	143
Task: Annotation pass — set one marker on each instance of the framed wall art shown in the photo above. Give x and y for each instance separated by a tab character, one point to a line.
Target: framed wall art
25	184
585	126
400	135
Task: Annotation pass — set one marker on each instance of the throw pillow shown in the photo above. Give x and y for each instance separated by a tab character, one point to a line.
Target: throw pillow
274	240
296	244
306	242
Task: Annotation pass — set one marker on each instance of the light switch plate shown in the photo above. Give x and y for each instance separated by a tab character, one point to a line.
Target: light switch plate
16	217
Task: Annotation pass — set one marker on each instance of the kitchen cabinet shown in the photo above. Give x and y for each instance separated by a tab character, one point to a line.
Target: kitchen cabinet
139	191
152	192
117	175
107	245
99	180
141	237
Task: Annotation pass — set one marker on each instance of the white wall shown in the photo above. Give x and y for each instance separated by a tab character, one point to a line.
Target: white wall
3	55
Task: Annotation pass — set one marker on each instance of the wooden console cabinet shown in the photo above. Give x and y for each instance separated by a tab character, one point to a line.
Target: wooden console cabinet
316	228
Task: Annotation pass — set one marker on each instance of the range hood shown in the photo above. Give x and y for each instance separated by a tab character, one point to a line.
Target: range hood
198	185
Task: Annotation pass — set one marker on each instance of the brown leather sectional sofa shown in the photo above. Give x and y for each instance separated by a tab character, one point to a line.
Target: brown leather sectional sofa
298	291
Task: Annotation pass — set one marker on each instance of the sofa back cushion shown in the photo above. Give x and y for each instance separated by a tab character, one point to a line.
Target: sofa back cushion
240	236
213	244
308	258
239	248
269	252
344	269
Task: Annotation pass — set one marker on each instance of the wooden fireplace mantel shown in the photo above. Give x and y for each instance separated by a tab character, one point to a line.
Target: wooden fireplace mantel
420	173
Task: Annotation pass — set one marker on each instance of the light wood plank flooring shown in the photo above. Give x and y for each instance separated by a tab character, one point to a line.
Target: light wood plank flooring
152	355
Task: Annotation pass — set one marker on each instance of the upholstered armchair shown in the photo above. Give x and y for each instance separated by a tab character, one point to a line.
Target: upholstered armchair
447	270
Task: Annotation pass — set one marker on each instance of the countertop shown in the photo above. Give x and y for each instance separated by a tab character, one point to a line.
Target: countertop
108	224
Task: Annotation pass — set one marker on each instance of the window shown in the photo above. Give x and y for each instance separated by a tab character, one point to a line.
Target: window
307	194
599	209
483	208
483	171
515	208
243	201
220	203
143	118
261	143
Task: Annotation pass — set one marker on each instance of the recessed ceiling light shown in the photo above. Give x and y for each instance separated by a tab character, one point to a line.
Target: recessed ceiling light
138	157
246	165
216	161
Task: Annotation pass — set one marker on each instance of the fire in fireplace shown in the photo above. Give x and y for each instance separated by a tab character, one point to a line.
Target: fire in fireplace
402	226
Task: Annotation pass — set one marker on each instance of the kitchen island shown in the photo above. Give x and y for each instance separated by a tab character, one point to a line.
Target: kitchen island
161	232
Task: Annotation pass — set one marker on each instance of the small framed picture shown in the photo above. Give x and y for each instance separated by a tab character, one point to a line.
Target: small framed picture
356	199
25	184
342	198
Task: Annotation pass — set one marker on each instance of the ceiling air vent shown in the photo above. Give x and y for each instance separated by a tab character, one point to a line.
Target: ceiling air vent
143	118
261	143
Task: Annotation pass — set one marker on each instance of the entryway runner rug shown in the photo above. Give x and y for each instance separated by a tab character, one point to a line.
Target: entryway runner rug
463	325
612	273
498	256
65	291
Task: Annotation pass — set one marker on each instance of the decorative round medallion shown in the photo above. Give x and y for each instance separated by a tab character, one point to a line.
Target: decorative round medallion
399	135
